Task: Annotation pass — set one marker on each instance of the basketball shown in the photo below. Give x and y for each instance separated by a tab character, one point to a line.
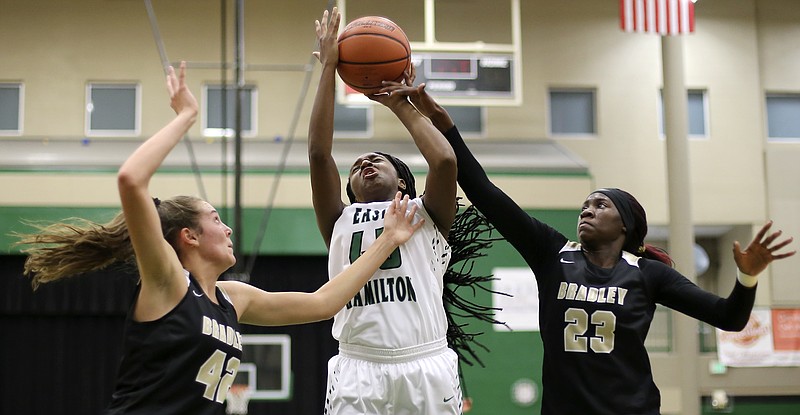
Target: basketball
372	49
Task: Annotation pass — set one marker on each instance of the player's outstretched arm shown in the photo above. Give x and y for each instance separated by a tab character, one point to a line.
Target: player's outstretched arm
282	308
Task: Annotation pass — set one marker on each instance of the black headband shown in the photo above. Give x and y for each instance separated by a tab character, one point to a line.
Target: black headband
623	205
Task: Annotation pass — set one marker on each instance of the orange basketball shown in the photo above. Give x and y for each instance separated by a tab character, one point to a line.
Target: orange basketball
372	49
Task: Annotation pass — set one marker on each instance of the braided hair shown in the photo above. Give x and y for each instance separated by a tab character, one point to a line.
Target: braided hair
469	236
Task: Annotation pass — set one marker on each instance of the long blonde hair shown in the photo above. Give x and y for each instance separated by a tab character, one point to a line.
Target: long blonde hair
76	246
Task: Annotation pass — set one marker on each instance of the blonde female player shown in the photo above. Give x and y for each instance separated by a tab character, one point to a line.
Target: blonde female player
182	343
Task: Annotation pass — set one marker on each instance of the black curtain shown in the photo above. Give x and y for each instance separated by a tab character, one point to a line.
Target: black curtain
60	346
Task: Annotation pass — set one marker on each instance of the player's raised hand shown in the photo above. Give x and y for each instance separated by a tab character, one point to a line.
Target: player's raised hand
761	251
327	34
399	220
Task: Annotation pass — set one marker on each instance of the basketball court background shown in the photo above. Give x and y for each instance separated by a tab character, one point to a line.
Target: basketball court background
60	346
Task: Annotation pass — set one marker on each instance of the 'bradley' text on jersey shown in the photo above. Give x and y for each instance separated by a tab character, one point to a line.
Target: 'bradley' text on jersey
580	292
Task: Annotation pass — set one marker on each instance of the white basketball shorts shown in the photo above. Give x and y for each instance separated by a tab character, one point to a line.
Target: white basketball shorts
419	380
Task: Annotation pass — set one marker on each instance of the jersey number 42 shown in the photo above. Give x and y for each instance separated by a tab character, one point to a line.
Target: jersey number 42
217	376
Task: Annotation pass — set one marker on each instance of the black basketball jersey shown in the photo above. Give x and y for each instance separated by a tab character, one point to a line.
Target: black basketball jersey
594	321
182	363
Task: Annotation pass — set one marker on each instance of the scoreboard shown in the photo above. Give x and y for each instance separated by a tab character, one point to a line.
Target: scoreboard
467	75
462	78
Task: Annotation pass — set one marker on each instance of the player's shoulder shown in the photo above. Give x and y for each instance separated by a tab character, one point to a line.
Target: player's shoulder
659	273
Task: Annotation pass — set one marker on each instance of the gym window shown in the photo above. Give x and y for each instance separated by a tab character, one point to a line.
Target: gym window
11	95
572	112
352	121
783	117
470	120
113	110
215	112
697	107
355	120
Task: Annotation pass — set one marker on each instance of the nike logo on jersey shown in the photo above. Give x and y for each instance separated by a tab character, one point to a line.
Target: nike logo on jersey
578	292
445	400
196	294
564	261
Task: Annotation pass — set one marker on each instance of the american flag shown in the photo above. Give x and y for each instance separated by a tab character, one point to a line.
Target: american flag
664	17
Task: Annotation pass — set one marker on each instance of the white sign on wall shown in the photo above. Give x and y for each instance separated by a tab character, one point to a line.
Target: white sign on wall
520	311
771	338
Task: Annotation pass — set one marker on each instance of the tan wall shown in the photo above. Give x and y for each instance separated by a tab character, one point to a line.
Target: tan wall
56	49
780	66
741	49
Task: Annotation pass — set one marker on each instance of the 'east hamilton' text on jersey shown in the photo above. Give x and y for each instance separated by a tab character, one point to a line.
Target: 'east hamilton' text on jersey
382	290
401	304
361	215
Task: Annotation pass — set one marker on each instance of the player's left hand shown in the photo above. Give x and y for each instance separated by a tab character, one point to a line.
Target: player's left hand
399	220
393	94
761	251
327	30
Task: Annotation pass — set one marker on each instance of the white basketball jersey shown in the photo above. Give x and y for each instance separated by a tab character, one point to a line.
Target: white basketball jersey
401	305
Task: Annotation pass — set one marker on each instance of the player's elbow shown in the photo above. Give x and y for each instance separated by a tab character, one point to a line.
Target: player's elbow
325	307
317	154
128	179
735	323
326	312
735	326
446	164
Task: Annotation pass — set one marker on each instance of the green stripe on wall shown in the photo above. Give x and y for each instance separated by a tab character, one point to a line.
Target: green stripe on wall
288	232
